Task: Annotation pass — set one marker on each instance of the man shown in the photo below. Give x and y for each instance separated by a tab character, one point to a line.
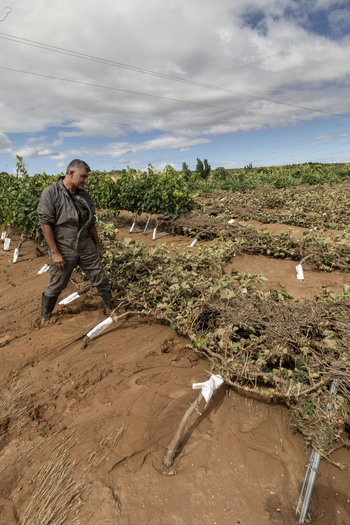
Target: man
67	218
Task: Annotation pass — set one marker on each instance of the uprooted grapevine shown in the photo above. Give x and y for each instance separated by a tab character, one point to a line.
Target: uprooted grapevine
323	207
329	253
256	339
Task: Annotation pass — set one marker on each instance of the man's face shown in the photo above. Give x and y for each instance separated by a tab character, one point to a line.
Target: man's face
78	178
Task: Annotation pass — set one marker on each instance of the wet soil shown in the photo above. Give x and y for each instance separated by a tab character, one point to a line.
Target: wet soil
83	432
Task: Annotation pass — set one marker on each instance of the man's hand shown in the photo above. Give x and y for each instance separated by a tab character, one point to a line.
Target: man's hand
94	237
58	260
100	251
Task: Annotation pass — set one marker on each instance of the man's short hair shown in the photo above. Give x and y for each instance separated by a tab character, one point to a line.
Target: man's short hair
76	164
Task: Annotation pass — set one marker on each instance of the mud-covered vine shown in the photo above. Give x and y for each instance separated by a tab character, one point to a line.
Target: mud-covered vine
257	340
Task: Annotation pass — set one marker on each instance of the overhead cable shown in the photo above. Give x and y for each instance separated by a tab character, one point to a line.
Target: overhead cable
130	67
111	88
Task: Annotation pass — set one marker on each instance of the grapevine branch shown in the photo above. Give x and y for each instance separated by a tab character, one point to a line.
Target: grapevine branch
168	459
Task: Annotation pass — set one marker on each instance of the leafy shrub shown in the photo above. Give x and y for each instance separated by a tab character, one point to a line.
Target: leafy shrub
103	190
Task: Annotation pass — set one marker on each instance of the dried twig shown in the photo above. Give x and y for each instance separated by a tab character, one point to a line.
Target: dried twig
168	459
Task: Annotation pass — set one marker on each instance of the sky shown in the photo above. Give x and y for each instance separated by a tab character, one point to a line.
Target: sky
135	82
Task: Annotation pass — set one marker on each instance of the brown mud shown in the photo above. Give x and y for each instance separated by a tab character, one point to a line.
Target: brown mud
83	432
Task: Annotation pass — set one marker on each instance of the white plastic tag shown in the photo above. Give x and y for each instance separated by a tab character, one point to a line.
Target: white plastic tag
193	243
43	269
15	255
132	227
7	243
72	297
209	386
99	328
3	236
154	233
231	221
300	273
147	223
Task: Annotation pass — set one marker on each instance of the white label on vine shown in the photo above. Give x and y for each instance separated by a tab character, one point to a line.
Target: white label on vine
99	328
132	227
7	243
43	269
15	255
300	273
72	297
3	236
147	223
208	387
193	243
154	233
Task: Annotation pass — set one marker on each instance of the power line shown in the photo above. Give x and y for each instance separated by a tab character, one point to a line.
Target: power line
130	67
7	14
152	95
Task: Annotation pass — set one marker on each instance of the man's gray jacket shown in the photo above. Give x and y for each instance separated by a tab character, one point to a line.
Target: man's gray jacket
56	208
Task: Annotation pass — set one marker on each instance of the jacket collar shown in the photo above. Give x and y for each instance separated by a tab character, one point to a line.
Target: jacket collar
62	186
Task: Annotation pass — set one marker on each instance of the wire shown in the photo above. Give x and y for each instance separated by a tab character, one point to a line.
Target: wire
203	104
7	14
130	67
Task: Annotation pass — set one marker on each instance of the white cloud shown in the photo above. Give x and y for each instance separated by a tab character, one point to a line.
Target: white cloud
120	149
339	19
5	143
259	53
327	4
336	136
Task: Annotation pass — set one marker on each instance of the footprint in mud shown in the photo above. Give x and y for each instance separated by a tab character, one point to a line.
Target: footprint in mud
149	377
5	340
180	392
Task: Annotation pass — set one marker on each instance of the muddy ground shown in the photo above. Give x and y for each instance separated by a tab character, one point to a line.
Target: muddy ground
83	432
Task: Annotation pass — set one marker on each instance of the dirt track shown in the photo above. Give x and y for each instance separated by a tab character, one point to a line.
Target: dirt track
108	413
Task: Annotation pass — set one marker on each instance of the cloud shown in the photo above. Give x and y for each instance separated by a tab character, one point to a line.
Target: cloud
120	149
185	71
5	143
339	20
328	4
336	136
38	147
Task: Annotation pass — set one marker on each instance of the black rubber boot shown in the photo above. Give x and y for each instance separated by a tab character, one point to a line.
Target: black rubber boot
47	305
107	299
